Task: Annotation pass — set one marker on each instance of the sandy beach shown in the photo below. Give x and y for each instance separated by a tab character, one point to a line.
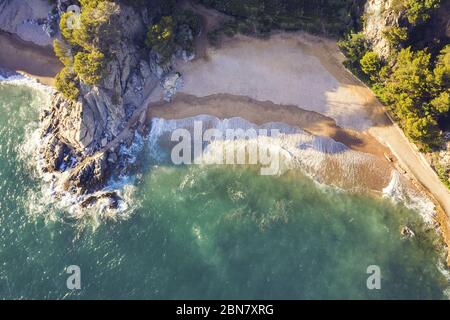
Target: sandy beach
226	106
299	79
28	58
294	78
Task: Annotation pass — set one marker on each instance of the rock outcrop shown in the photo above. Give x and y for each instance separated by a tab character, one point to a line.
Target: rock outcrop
378	16
78	136
31	20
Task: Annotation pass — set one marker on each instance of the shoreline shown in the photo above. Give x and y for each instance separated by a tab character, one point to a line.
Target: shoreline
225	106
383	139
231	69
29	59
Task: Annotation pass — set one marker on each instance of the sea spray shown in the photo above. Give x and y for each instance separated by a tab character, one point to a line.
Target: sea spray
400	190
322	158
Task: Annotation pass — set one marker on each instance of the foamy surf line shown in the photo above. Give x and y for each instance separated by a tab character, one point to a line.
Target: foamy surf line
301	150
18	79
320	158
398	191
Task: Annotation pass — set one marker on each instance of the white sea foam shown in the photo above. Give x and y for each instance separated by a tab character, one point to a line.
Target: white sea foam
52	194
322	158
23	80
399	190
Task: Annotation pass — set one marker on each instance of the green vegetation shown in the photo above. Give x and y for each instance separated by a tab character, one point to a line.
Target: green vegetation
161	38
418	11
354	47
414	80
172	32
416	93
88	66
84	47
371	64
62	51
396	36
331	17
66	84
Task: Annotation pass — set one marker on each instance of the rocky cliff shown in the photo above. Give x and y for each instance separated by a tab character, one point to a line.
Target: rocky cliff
31	20
81	138
424	25
378	16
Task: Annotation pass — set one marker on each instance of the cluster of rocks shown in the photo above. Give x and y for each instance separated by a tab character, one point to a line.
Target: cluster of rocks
171	84
77	135
81	139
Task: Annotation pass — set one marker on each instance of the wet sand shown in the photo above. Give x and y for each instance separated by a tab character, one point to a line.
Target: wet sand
28	58
225	106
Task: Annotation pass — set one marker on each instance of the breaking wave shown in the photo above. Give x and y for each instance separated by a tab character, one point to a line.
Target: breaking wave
400	190
326	161
322	158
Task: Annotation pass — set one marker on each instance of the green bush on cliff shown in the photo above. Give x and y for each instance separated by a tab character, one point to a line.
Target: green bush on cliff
89	66
66	83
371	65
63	52
66	27
354	47
161	38
419	11
413	83
261	16
84	39
95	30
395	35
174	31
417	94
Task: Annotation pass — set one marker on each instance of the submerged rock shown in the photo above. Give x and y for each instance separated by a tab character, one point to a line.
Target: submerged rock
407	232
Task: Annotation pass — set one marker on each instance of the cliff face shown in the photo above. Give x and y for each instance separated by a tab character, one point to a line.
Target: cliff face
379	15
78	135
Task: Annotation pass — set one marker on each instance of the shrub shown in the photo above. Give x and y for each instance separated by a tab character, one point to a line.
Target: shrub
66	30
89	66
63	52
354	47
66	83
419	11
160	37
371	65
395	35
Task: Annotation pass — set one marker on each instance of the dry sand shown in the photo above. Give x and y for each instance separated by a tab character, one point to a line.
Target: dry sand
28	58
297	79
283	70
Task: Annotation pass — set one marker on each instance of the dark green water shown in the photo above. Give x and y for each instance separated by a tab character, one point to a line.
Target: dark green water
205	233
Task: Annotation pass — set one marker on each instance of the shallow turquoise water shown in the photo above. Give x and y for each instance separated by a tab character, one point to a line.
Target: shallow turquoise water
205	233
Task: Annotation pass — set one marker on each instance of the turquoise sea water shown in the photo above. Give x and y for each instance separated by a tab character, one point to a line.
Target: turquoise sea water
204	233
